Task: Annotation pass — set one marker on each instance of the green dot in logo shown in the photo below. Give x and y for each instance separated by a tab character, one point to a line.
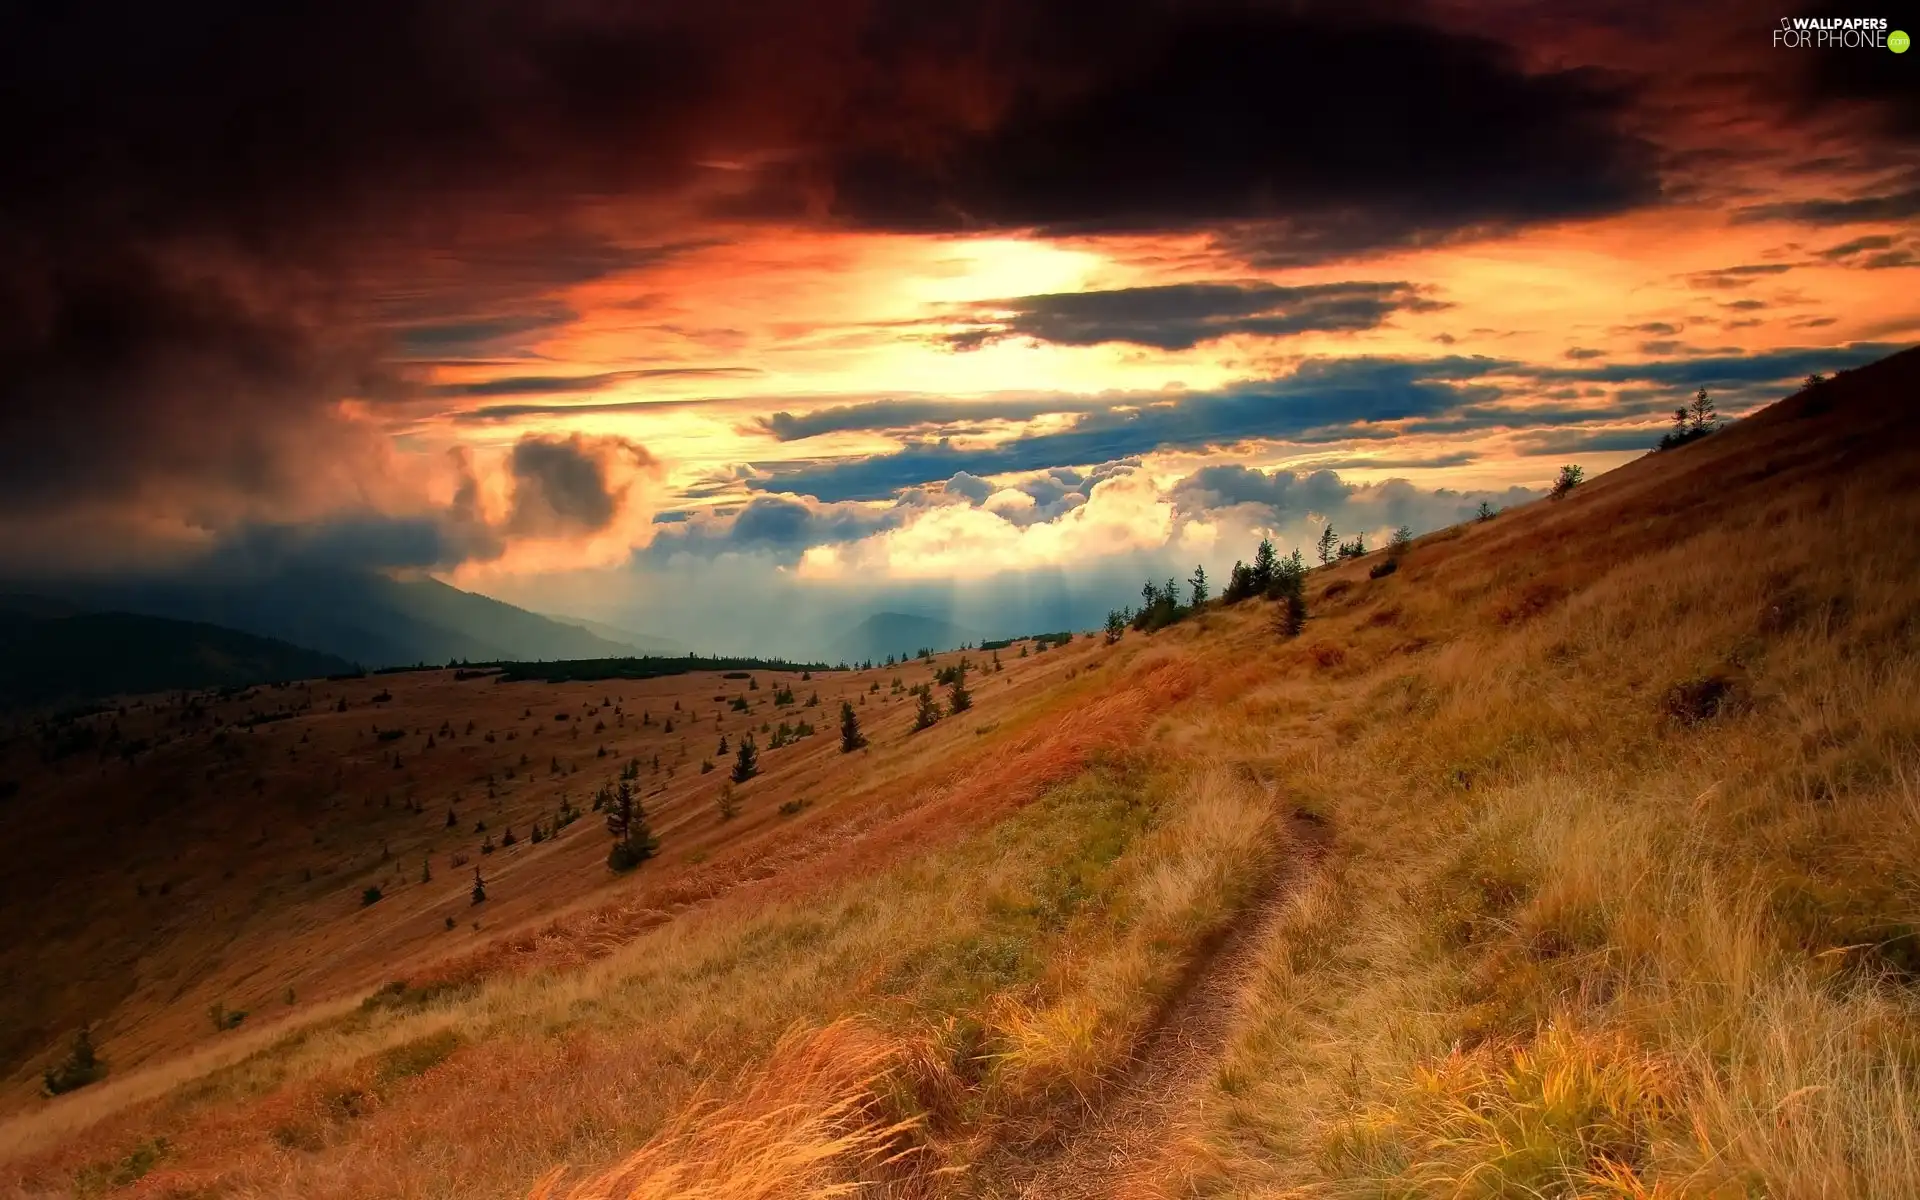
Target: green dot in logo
1898	41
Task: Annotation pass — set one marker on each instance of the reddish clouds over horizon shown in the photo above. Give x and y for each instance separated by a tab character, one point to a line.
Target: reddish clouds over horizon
562	301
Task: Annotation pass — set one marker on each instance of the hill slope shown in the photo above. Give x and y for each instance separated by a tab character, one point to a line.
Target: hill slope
1574	857
81	656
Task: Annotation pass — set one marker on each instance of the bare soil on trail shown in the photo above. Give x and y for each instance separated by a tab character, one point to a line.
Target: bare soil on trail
1120	1149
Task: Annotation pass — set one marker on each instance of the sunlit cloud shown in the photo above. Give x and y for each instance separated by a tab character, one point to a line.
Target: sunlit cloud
661	289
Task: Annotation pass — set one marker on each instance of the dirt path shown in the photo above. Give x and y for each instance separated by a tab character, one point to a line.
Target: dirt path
1119	1150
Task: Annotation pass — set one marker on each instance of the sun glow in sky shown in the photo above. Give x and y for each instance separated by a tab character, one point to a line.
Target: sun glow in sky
850	295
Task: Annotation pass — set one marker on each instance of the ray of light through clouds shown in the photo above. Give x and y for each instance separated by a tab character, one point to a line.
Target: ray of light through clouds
729	321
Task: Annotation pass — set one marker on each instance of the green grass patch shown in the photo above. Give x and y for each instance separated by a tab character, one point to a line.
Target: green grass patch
121	1172
416	1057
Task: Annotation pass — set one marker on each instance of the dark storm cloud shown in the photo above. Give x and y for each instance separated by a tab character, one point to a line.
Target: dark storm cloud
219	219
1147	117
1854	246
564	485
778	526
1886	206
121	376
1456	458
917	412
351	541
479	336
269	123
1282	492
1182	315
556	385
1737	277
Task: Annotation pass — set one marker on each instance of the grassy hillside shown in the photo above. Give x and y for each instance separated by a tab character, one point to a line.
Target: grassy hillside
1576	857
65	658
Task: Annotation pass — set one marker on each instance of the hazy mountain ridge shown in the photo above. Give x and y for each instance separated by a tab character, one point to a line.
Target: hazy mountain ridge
368	619
642	643
898	634
47	659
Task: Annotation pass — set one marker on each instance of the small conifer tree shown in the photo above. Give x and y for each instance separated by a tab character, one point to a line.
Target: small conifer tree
1265	560
851	738
959	699
1239	583
1293	616
479	888
928	712
746	763
633	843
81	1067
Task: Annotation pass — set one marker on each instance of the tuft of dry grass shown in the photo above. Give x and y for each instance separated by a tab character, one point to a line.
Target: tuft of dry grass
817	1122
1566	1113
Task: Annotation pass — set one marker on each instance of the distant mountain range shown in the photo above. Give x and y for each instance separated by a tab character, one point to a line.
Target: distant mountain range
51	654
126	636
643	643
898	634
362	617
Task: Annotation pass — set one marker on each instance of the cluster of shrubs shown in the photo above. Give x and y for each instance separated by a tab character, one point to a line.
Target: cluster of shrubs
82	1066
1270	576
1691	422
928	713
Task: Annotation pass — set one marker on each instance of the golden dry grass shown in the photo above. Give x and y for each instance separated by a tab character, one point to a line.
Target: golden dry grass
815	1123
1578	938
1062	900
1616	805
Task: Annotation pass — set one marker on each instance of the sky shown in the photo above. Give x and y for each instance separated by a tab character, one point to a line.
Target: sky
730	321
